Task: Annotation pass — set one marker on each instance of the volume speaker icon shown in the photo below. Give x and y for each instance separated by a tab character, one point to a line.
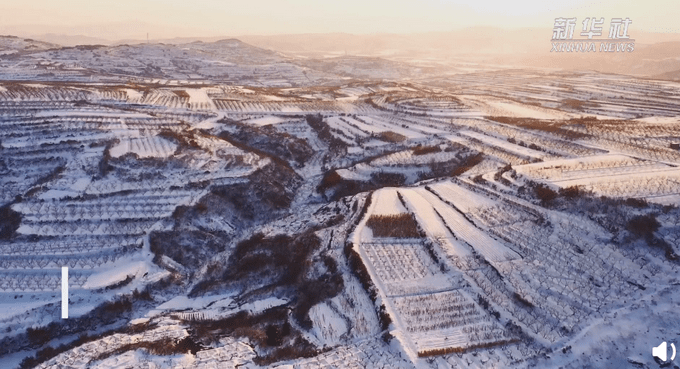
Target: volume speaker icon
661	351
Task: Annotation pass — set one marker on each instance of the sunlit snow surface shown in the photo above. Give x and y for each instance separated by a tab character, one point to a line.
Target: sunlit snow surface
98	157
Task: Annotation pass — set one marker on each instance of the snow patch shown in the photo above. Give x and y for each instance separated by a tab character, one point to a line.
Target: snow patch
266	120
117	274
328	326
387	202
144	147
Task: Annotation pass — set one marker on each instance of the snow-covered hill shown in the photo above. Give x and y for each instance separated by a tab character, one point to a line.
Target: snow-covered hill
221	205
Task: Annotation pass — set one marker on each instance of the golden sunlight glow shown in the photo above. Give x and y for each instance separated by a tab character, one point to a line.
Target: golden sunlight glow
173	18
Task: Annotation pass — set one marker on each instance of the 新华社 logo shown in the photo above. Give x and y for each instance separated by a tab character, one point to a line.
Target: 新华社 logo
592	39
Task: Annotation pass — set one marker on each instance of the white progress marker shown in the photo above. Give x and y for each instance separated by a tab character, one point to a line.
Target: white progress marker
64	292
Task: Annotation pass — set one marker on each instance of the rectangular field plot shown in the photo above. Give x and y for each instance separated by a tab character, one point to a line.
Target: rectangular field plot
435	315
404	268
407	157
425	202
144	147
515	149
465	200
446	321
649	185
590	167
610	175
39	280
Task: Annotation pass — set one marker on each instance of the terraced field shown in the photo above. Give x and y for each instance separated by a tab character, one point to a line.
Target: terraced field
499	218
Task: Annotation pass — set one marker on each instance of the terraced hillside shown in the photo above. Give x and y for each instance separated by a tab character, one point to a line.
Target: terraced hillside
278	213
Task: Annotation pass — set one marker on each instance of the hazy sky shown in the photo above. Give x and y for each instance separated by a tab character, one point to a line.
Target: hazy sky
169	18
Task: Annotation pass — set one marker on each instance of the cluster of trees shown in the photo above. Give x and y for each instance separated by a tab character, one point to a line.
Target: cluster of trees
10	221
107	313
399	226
323	130
267	139
556	128
467	348
341	187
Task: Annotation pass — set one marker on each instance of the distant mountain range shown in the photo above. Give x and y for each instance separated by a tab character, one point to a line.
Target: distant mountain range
223	61
656	54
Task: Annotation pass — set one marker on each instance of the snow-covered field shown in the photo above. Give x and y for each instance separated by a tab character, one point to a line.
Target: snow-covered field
387	202
611	175
144	147
188	204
